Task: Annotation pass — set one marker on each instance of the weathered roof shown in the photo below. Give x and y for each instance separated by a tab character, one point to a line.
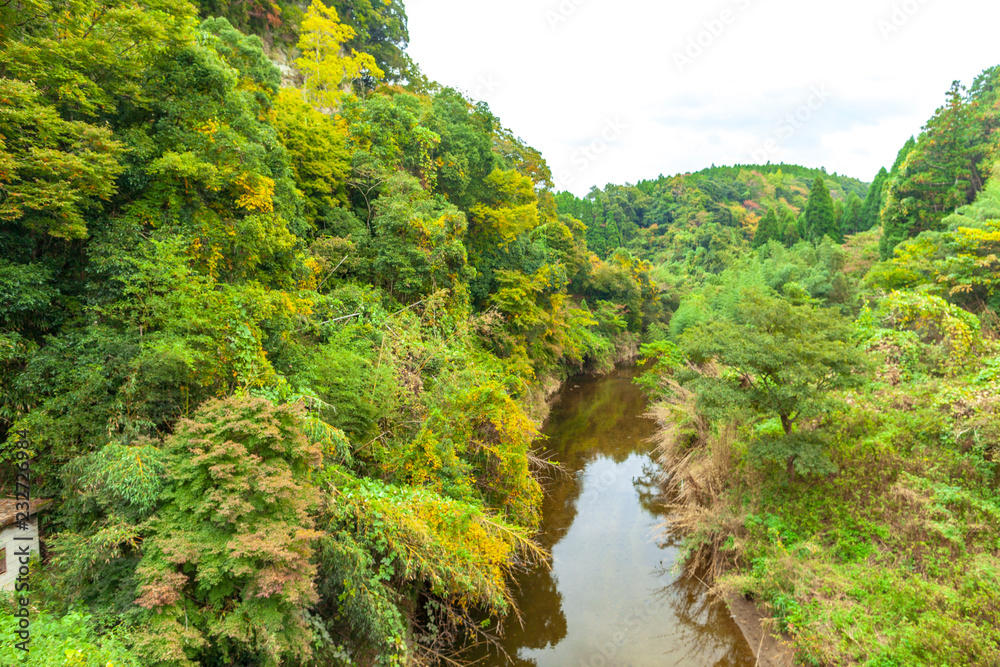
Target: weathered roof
8	509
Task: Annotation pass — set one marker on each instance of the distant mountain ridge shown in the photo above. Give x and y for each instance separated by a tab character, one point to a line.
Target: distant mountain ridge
726	203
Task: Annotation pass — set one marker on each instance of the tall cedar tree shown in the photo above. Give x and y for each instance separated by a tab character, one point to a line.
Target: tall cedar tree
820	217
943	171
873	202
851	223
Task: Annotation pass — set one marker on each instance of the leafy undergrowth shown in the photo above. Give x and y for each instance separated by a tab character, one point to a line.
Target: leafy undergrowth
894	560
70	641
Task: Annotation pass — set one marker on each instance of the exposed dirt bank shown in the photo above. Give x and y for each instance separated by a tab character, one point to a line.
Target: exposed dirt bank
769	649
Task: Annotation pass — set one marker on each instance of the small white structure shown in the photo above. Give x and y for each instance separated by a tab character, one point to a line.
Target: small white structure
18	536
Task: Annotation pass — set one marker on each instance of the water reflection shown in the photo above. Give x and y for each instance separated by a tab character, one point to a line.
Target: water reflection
612	597
699	618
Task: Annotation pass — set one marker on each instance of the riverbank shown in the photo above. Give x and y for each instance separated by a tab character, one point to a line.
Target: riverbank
770	649
892	561
695	484
541	395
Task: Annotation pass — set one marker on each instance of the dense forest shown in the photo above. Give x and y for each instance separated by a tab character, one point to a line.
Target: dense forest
279	317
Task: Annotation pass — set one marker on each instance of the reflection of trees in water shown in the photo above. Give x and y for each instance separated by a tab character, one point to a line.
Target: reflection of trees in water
545	627
704	624
559	509
593	417
597	417
648	487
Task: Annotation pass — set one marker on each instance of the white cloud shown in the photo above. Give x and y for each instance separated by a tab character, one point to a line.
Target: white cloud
558	82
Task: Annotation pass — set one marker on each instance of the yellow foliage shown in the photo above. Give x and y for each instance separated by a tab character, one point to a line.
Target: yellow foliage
462	552
256	193
508	222
310	282
936	321
209	128
512	207
327	69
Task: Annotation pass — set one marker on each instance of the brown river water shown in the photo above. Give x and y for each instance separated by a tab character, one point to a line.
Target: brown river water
613	597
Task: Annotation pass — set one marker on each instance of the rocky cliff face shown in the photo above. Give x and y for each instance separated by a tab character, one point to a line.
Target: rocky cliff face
283	55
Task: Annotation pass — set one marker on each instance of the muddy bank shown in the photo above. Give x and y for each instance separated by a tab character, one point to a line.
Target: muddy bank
769	649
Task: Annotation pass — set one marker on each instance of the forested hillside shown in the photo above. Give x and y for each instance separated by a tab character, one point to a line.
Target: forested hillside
692	225
658	215
276	352
829	421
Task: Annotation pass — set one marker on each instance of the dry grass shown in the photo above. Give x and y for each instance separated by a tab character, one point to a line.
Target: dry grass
699	465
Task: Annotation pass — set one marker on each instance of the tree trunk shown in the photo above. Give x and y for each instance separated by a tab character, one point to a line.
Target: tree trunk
786	423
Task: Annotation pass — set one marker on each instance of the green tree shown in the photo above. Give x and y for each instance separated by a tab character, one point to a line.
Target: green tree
851	222
780	360
873	202
465	155
91	58
820	215
390	131
959	264
226	572
318	153
939	174
789	227
380	30
52	171
416	244
838	214
767	229
69	640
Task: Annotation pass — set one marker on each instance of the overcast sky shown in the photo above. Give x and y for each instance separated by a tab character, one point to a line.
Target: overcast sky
615	91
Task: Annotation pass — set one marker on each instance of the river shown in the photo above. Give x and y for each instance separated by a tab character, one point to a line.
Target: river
612	597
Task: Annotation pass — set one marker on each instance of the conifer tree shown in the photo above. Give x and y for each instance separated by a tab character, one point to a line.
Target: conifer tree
820	218
789	227
767	230
873	202
852	214
935	177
